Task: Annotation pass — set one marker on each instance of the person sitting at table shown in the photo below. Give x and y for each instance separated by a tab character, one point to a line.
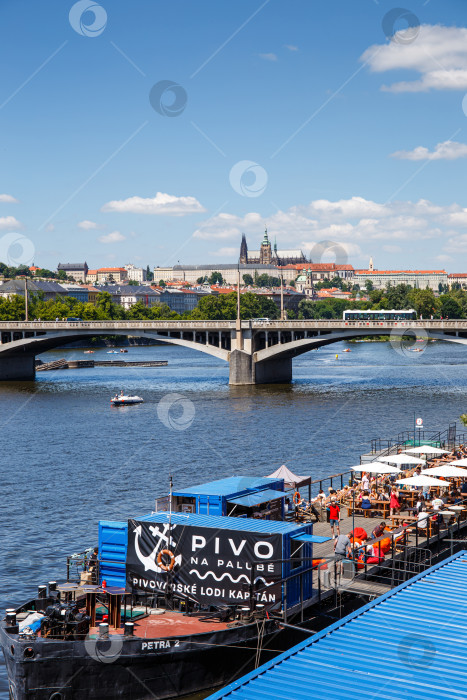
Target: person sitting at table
394	503
420	504
422	519
365	503
437	503
378	530
384	496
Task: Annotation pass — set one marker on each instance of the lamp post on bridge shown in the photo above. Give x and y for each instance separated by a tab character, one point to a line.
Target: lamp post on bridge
26	306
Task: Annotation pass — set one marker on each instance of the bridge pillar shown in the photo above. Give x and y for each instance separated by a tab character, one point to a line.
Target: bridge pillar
19	368
273	371
241	368
244	370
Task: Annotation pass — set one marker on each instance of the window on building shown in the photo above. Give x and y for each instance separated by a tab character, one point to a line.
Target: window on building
296	554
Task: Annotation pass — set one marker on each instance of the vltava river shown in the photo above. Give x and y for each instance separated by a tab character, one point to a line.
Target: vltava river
70	459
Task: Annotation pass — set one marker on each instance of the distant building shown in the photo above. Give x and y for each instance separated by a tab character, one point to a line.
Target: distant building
136	274
268	255
229	272
128	295
78	291
91	277
304	283
110	275
92	292
458	278
320	271
181	300
418	279
49	290
76	270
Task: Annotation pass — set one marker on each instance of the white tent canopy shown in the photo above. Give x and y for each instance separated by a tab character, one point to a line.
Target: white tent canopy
401	459
291	480
426	450
459	462
376	468
446	470
421	480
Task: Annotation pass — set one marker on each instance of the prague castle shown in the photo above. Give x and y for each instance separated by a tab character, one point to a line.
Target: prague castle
267	255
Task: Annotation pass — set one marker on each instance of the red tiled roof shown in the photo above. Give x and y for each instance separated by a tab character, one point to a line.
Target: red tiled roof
316	267
110	269
400	272
453	274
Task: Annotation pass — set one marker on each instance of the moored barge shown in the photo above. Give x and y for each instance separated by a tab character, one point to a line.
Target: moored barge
171	603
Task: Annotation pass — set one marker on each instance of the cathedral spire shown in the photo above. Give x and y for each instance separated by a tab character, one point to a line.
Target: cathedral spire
243	260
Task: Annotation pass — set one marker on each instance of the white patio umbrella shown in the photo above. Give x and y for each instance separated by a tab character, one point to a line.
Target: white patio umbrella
459	462
448	470
402	459
427	450
421	480
376	468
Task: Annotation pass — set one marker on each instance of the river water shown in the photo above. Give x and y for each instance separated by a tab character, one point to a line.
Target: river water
70	459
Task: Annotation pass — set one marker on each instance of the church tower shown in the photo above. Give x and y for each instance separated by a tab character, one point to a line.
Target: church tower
265	253
243	251
370	265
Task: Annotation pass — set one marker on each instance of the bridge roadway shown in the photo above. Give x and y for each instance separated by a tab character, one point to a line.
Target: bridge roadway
259	352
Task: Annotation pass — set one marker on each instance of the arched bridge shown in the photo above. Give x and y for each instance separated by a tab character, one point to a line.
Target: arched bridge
259	352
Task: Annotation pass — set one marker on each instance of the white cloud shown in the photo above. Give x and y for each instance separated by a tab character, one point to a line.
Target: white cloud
362	227
88	225
8	198
9	222
447	150
444	258
291	47
268	56
114	237
161	204
224	252
437	53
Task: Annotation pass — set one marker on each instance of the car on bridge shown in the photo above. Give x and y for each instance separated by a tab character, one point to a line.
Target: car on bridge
72	319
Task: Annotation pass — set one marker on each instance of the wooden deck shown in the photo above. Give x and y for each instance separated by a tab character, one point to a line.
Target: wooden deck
374	581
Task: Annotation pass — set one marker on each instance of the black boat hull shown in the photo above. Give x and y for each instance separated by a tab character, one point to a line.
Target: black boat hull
131	668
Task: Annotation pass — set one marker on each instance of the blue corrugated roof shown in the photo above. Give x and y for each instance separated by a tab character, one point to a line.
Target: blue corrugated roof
254	499
227	486
410	643
223	522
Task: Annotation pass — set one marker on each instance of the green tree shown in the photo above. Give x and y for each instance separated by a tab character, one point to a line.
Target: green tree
162	284
450	308
149	274
369	286
248	280
423	301
216	278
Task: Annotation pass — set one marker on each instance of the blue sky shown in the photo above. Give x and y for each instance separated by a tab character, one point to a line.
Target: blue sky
287	115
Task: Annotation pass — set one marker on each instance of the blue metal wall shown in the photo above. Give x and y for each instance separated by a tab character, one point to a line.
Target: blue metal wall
113	538
409	644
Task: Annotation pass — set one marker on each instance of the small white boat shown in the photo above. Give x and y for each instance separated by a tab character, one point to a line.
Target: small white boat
89	352
124	400
112	352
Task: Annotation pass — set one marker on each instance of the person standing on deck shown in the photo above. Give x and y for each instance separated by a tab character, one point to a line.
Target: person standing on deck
394	503
365	485
334	516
